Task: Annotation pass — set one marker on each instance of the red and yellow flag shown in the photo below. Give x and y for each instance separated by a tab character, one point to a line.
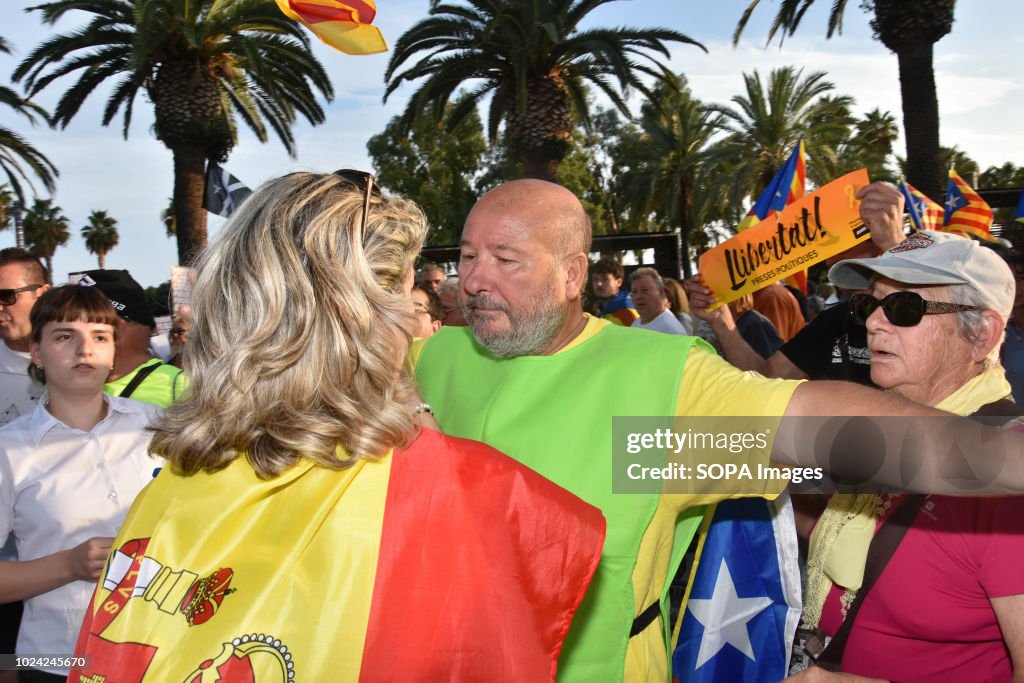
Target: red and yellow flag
966	212
345	26
924	213
443	561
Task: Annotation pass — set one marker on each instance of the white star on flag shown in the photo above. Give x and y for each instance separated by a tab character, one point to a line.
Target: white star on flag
724	617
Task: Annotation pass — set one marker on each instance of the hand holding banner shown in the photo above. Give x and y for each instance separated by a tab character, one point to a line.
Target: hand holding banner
814	228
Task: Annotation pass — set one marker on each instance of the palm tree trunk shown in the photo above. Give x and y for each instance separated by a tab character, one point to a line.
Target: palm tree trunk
685	200
921	117
540	165
101	257
49	269
189	183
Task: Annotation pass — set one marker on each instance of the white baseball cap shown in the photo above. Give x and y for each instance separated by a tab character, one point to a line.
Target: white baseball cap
935	258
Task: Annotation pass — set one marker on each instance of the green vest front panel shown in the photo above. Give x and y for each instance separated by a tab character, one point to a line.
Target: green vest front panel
554	414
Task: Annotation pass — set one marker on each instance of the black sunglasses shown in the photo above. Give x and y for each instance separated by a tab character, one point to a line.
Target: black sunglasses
902	309
9	296
369	186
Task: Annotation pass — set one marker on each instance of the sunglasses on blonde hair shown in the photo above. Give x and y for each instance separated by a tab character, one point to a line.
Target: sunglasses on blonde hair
368	184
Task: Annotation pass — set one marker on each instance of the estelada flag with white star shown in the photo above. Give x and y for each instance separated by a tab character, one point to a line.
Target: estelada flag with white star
966	212
445	560
346	26
924	213
743	603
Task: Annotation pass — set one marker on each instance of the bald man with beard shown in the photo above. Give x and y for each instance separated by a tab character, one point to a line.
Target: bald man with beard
537	378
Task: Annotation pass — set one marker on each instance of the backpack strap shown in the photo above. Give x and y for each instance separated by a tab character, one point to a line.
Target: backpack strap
138	379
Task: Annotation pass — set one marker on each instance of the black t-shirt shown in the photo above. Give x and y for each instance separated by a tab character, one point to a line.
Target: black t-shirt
759	332
832	346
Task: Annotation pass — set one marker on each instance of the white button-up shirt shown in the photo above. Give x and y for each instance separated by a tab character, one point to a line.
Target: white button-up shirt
61	486
19	393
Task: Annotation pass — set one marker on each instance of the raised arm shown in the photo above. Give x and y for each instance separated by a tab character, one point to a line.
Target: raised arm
915	447
737	351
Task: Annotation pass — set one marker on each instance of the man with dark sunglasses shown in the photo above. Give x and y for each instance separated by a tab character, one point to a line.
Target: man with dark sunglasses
22	281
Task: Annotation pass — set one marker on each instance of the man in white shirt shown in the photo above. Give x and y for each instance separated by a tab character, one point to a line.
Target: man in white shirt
22	281
651	302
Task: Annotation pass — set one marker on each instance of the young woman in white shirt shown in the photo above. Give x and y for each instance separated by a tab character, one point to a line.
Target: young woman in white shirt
69	471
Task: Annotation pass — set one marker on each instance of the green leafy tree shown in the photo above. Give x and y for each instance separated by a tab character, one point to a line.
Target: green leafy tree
6	207
100	235
867	143
435	167
1002	177
18	158
533	58
167	217
46	228
202	63
765	124
158	299
676	130
956	158
1005	176
910	29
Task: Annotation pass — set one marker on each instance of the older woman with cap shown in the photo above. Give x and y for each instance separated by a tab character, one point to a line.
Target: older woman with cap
924	588
307	528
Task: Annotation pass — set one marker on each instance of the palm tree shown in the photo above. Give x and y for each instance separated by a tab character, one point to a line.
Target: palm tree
6	206
676	132
17	156
531	56
100	235
46	228
868	143
767	123
201	63
167	217
909	28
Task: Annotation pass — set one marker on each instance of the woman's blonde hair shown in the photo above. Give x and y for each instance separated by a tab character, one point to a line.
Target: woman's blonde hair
300	333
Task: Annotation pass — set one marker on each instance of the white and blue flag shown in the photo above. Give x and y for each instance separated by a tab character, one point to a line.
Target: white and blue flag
744	599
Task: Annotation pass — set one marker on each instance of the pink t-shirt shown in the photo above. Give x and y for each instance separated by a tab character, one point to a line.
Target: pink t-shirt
928	618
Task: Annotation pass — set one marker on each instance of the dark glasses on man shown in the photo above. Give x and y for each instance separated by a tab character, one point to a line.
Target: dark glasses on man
902	309
9	296
369	186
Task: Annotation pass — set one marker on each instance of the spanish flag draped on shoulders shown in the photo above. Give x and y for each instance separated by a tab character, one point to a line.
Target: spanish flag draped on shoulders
443	561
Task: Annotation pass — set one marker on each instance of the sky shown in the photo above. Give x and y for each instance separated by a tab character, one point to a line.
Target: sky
981	100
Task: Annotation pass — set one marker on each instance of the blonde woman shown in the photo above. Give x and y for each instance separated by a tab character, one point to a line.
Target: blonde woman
306	528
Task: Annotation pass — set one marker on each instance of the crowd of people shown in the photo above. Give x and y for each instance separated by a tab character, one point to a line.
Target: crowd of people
352	470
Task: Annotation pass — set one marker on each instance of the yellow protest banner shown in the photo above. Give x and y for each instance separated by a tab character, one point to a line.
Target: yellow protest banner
811	229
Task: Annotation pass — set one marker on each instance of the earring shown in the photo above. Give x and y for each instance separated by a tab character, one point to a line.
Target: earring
39	366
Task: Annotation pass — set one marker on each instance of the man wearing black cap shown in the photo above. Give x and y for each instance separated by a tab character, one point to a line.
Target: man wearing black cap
136	374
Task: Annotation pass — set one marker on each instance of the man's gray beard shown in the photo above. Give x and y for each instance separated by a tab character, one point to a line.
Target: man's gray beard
530	333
